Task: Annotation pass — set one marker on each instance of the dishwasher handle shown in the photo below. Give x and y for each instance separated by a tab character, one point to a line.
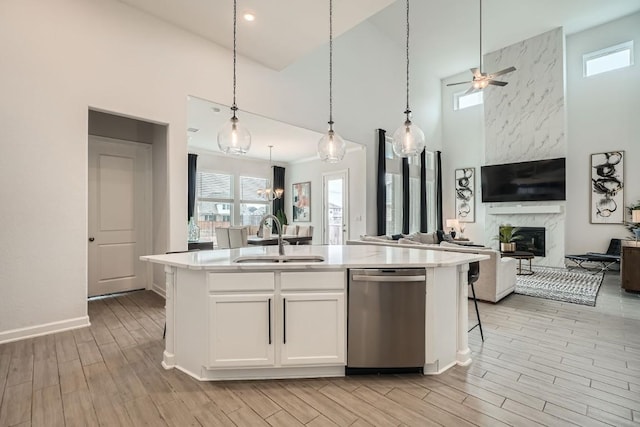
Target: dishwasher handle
396	279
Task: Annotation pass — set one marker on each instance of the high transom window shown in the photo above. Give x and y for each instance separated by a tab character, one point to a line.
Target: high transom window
608	59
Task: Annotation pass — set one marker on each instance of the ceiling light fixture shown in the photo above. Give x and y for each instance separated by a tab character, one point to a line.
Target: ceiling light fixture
232	137
331	147
249	16
270	193
408	139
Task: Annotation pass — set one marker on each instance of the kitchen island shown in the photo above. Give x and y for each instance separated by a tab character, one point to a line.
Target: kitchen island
249	313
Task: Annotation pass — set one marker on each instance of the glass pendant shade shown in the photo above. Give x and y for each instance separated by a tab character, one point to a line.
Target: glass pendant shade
408	140
234	138
331	147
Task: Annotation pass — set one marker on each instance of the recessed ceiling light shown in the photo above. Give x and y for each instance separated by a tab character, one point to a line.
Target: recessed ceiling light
194	130
249	16
215	109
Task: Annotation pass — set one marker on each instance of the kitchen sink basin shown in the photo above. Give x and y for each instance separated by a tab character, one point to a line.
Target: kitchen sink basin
278	258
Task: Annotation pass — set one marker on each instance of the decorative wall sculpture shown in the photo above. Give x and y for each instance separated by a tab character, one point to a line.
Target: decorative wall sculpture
607	188
465	194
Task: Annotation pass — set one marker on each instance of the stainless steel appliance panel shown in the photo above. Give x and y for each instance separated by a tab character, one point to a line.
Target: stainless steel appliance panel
386	318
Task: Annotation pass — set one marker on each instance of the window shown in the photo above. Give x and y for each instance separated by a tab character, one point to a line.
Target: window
462	101
394	191
252	206
214	203
608	59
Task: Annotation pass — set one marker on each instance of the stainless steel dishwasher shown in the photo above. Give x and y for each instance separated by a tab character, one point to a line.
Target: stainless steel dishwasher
386	318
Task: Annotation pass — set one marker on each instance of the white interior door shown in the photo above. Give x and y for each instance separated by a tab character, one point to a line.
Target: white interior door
119	215
335	215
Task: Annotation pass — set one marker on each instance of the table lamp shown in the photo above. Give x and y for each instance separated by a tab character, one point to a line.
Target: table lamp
452	224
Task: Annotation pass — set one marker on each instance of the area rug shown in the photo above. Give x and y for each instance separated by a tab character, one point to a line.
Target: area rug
561	285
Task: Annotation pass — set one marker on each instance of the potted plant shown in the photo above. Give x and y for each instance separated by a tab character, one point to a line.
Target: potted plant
507	237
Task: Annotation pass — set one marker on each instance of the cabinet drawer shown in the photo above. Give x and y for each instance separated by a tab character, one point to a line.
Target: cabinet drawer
315	280
240	282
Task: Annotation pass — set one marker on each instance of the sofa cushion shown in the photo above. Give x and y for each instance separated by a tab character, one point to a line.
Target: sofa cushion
367	238
430	238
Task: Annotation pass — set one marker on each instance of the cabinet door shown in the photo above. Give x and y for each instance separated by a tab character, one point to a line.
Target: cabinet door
313	328
241	330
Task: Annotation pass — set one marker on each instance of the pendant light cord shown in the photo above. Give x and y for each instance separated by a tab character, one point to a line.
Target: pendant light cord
407	111
234	108
330	65
480	36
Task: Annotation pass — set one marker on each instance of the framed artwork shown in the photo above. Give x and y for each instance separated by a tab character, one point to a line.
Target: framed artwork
465	194
302	202
607	188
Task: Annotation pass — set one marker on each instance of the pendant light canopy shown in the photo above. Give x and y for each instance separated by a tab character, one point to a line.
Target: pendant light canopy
331	147
408	139
270	193
232	137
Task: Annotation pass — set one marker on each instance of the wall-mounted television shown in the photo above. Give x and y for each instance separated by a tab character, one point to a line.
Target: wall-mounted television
524	181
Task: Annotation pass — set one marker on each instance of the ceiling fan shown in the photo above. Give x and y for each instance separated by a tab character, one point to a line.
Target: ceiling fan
480	79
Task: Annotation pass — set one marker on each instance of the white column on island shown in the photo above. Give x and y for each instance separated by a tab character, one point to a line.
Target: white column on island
463	353
169	357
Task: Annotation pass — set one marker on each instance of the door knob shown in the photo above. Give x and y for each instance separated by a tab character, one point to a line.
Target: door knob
91	239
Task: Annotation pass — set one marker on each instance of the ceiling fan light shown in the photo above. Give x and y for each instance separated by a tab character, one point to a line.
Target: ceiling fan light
408	140
331	147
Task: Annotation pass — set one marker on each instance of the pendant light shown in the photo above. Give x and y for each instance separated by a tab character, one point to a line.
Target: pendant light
331	147
270	193
232	137
408	139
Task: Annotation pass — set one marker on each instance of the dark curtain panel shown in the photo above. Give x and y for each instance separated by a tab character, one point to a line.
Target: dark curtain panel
439	191
381	202
405	196
423	192
278	182
191	195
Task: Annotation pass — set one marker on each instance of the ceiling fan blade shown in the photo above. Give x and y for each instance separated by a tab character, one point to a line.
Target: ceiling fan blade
470	90
459	83
498	83
476	72
501	72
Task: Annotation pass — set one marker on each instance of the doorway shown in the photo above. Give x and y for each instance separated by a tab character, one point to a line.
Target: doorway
335	204
119	210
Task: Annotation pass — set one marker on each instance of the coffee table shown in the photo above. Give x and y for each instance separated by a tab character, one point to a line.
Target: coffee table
520	255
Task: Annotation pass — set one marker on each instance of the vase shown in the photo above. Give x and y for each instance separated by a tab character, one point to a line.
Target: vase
507	247
193	231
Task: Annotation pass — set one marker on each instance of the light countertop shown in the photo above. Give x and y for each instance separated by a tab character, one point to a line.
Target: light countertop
346	256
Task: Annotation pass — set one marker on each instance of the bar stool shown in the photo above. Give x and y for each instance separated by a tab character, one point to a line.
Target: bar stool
472	277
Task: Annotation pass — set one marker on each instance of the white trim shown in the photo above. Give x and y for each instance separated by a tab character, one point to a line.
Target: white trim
44	329
158	290
515	210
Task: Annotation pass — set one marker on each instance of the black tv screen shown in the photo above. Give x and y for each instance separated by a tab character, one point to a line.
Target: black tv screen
525	181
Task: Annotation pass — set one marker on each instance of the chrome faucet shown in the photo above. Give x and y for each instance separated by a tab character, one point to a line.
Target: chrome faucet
276	221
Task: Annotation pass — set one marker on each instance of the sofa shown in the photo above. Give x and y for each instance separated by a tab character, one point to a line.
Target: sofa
497	275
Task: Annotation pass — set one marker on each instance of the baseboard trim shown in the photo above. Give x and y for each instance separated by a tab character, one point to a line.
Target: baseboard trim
158	290
44	329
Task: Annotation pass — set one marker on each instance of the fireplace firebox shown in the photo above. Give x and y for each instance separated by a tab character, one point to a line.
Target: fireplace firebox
530	239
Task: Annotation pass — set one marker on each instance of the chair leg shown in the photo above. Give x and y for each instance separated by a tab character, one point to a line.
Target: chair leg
475	302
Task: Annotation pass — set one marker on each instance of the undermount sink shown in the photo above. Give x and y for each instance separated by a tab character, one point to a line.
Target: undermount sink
278	258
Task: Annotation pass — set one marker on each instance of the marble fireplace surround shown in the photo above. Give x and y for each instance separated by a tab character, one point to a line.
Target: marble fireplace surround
551	217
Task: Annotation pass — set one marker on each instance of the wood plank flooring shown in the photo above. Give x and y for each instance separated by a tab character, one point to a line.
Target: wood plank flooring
542	363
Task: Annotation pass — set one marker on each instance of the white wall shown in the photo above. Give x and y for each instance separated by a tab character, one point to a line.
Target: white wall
110	57
602	116
463	136
312	170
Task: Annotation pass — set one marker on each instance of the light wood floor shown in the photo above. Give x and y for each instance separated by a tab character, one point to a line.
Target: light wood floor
542	363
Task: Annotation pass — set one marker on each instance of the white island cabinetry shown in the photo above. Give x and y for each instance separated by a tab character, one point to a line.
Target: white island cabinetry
275	319
240	319
236	314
